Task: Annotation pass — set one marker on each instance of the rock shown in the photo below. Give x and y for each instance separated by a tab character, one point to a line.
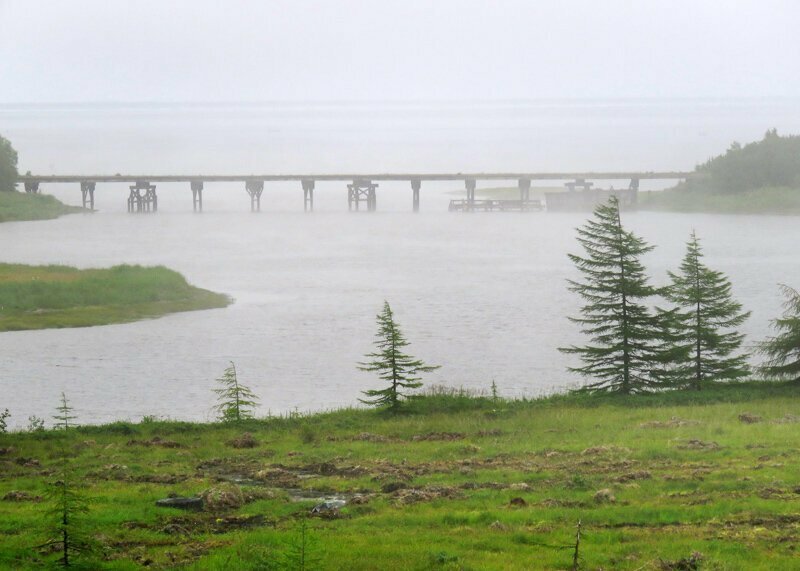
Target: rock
328	505
222	497
246	440
390	487
519	487
748	418
438	436
360	499
180	502
7	451
517	502
369	437
604	496
498	526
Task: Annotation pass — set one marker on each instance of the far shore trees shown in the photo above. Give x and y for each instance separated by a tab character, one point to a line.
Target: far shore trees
783	350
236	401
626	350
706	345
398	369
8	166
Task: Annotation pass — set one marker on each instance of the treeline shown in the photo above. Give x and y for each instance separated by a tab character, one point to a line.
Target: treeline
637	346
773	162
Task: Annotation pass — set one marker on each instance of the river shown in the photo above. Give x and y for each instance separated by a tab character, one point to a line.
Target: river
483	295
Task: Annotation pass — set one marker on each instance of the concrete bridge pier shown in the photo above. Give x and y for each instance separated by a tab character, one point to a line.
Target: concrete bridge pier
470	183
254	188
633	188
524	193
197	195
362	190
416	184
87	193
143	197
32	187
308	195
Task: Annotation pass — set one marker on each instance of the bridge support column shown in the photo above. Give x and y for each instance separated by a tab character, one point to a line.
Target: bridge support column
416	184
32	187
254	188
362	190
524	193
470	183
87	193
143	197
633	189
197	195
308	195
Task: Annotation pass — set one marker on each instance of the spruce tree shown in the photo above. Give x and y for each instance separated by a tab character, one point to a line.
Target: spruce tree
783	350
67	504
398	369
626	351
704	323
236	401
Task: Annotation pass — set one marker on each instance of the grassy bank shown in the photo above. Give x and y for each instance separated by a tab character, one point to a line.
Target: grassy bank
782	200
40	297
457	483
17	206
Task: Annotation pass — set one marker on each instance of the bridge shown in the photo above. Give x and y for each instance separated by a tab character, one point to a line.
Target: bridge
361	188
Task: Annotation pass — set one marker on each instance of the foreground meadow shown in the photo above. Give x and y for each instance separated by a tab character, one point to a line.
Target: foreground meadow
703	480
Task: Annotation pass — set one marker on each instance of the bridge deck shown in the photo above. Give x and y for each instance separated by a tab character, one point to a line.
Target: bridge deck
349	177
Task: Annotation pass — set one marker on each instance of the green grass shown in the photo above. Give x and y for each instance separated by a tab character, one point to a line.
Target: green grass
17	206
762	201
462	459
40	297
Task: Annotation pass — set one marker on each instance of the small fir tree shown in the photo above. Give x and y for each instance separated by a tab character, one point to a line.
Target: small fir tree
783	350
704	323
67	504
626	353
236	401
398	369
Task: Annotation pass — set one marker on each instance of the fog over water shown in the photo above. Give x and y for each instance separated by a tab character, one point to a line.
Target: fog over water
483	295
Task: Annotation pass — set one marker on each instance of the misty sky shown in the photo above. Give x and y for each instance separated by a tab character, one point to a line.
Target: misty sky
202	50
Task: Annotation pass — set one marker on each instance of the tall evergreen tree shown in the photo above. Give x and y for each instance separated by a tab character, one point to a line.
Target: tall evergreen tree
626	353
783	350
704	323
392	365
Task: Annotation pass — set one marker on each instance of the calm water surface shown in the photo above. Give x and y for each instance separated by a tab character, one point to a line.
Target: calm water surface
482	295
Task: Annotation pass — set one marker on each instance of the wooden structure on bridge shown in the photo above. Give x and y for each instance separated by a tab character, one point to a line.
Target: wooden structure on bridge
362	188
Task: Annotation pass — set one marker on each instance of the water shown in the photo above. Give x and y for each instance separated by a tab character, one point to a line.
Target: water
483	295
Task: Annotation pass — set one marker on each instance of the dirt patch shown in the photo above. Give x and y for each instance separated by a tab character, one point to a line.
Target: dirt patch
489	432
691	563
695	444
605	449
438	436
369	437
633	476
518	502
426	494
246	440
155	441
673	422
161	478
748	418
21	496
